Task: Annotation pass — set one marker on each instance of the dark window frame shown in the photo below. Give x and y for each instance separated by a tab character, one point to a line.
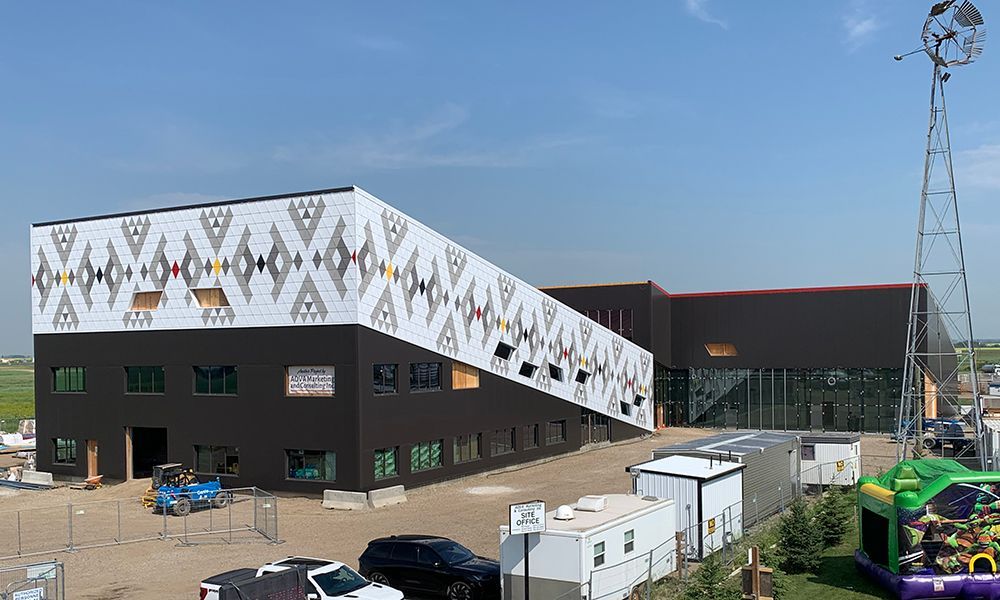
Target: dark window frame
465	440
152	377
68	448
530	368
531	432
416	448
556	372
507	435
380	456
381	372
811	449
304	452
211	448
421	382
552	440
504	351
227	372
629	541
582	377
69	374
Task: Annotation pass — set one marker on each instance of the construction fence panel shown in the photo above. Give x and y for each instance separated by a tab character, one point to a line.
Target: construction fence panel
37	581
42	530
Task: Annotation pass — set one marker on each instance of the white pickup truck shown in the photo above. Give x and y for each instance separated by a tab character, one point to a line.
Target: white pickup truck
326	579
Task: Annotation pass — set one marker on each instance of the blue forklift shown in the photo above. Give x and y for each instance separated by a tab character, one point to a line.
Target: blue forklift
178	491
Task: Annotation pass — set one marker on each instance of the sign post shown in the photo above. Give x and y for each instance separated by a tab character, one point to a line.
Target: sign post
527	518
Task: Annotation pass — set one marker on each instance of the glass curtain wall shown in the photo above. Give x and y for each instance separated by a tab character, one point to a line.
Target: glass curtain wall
779	399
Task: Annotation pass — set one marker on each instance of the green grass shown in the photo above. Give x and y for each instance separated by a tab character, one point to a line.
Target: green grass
837	578
17	392
989	355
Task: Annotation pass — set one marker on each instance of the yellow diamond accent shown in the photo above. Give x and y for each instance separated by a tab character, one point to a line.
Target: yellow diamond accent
65	277
216	266
503	324
388	271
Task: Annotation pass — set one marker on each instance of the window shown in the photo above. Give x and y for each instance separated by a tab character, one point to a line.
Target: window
531	436
217	460
404	553
468	447
555	432
503	351
626	408
503	442
629	540
582	376
598	554
426	455
146	301
384	379
808	452
69	379
725	349
638	399
64	451
215	381
463	376
425	377
144	380
386	462
555	372
211	297
312	464
618	320
527	369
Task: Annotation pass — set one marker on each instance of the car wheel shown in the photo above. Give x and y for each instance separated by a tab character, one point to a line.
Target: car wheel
221	500
376	577
638	592
182	508
929	443
459	591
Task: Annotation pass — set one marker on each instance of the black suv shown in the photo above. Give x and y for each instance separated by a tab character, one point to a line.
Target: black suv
428	564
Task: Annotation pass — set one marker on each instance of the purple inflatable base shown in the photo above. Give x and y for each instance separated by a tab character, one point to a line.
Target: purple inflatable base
914	587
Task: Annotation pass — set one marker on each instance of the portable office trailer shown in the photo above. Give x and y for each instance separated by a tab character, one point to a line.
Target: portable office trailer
771	479
830	458
707	495
604	554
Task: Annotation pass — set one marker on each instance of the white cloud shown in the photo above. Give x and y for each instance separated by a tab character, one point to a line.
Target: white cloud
699	10
859	25
979	167
423	144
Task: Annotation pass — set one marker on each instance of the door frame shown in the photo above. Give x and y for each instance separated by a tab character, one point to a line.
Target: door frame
92	457
129	475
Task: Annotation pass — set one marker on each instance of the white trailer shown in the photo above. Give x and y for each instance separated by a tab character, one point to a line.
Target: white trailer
830	458
708	494
609	546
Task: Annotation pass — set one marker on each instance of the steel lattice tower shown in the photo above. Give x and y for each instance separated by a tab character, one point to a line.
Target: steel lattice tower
940	339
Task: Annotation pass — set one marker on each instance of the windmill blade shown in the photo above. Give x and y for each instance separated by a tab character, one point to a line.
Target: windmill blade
940	7
968	15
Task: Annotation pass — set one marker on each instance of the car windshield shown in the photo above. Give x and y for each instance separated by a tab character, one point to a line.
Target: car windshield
339	581
452	552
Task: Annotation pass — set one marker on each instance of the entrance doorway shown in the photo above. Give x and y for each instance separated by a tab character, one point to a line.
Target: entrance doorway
92	458
145	447
594	428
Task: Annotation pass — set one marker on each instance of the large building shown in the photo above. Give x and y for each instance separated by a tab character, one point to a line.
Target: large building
308	341
326	340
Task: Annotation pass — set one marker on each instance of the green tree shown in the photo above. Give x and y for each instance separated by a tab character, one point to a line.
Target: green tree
834	515
800	541
708	582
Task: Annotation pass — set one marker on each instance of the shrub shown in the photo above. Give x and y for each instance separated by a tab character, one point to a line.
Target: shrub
800	541
709	582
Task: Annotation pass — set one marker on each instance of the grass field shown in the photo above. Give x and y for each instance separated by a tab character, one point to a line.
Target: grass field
837	578
17	392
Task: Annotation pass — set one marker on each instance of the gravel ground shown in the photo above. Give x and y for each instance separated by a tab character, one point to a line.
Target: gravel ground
469	510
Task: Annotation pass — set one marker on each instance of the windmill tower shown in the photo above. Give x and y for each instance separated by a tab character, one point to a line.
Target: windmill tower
940	340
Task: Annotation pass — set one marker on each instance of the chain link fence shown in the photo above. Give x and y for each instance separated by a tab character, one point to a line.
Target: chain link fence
38	581
249	515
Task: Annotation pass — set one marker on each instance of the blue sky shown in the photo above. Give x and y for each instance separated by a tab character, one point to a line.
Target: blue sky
706	145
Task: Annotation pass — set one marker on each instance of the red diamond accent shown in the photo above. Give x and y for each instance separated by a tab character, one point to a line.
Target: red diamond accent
479	313
565	353
175	269
32	281
629	383
354	256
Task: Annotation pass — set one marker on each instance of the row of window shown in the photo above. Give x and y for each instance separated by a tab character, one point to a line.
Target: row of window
205	297
322	465
223	380
505	351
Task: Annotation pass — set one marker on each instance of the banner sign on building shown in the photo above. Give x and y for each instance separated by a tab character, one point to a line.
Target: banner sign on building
310	381
527	517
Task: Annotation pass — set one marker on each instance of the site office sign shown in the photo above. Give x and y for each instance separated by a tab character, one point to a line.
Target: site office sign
527	517
310	381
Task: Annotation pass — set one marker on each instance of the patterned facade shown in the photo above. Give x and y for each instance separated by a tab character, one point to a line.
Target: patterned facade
329	258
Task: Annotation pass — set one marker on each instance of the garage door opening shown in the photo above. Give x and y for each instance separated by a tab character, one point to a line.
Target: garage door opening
148	449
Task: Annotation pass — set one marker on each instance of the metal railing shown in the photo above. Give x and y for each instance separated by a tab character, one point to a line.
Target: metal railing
20	581
248	515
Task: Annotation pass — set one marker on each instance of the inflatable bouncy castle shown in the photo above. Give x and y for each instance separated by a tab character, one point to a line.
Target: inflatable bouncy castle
930	528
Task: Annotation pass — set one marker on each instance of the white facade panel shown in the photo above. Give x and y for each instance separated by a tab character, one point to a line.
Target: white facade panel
825	469
682	490
722	500
341	257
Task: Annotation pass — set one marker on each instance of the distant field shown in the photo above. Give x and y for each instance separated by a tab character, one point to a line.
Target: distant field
984	356
17	392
